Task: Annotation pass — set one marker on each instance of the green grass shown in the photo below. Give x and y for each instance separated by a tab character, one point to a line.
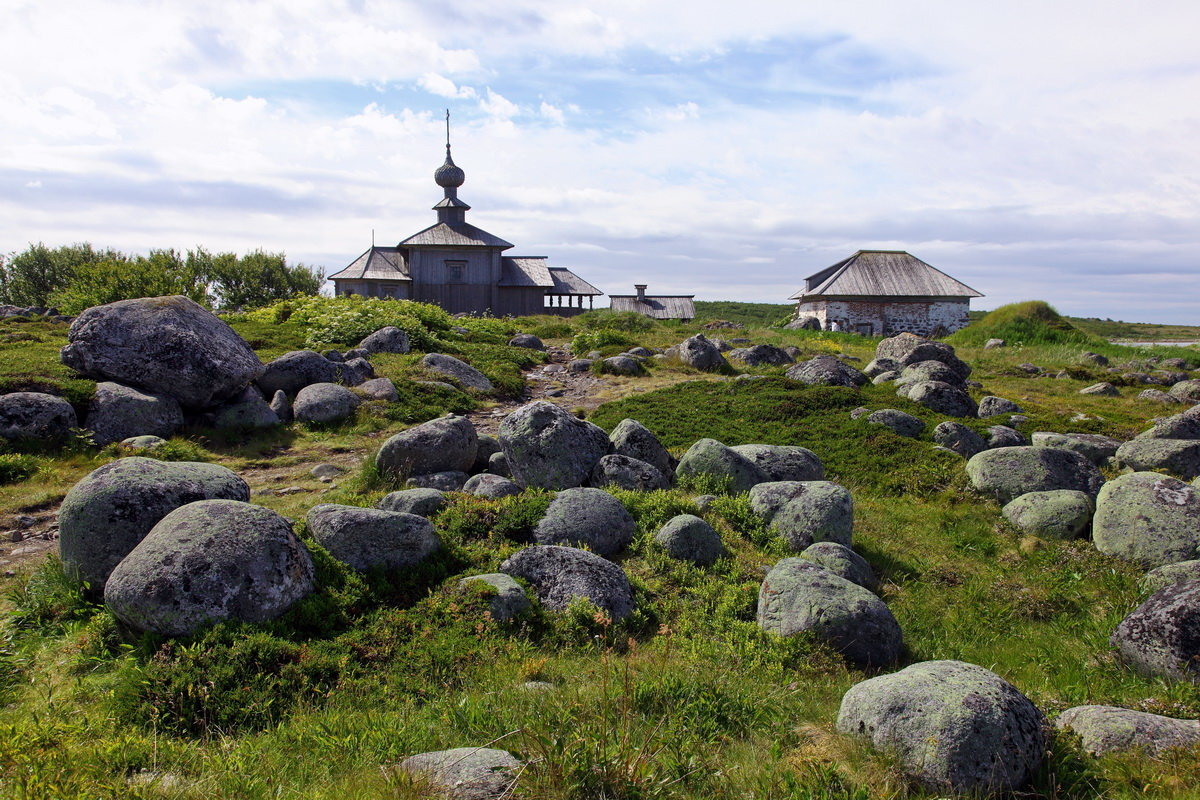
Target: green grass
752	315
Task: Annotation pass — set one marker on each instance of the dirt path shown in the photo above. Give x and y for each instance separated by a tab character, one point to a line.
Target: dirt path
552	382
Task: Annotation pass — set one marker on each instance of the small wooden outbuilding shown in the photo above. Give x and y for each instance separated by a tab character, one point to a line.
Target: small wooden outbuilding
662	306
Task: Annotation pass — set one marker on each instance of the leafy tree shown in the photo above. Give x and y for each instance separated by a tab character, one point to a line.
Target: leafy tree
30	277
163	272
256	279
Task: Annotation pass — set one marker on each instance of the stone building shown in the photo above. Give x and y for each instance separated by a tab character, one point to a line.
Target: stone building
463	268
662	306
882	293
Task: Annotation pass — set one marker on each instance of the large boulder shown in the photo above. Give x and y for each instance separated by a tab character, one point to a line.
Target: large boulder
819	511
526	340
508	598
1167	574
768	497
1097	448
760	354
879	366
1161	637
164	345
546	447
1109	729
207	562
1009	472
35	416
105	515
367	538
632	438
1004	436
324	404
843	562
1103	389
422	502
386	340
713	460
1179	426
908	348
687	537
799	596
247	411
622	365
292	371
586	517
466	773
899	422
458	371
942	398
118	412
1056	514
953	727
623	472
699	353
559	575
923	371
826	371
1148	518
1178	456
440	445
1188	390
959	438
992	406
491	486
451	480
783	462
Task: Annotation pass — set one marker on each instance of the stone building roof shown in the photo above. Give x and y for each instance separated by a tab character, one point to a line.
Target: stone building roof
882	273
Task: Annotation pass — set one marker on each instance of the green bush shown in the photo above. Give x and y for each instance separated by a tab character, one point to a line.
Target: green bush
15	468
588	341
1030	323
346	319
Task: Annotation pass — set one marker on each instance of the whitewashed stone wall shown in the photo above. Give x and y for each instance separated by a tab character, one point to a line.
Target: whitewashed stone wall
882	318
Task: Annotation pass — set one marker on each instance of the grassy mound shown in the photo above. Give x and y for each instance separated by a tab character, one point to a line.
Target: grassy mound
1028	323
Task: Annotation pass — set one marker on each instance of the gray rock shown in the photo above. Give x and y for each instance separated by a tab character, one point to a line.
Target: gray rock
546	447
105	515
798	596
485	446
458	371
632	438
142	442
1158	396
1148	518
586	517
164	345
1009	472
35	416
1188	390
1056	514
783	462
804	323
467	773
767	498
761	354
498	465
703	501
1178	456
992	406
1167	574
326	471
355	372
640	352
623	472
907	348
447	481
210	561
248	411
699	353
826	371
1109	729
444	444
368	538
878	366
942	398
1104	388
819	512
1161	637
1180	426
579	365
899	422
958	438
509	599
559	575
335	355
1096	448
1094	359
119	412
923	371
953	727
282	406
422	502
292	371
686	537
1004	436
324	404
710	458
379	389
843	562
622	365
386	340
1030	369
884	377
492	486
526	340
992	344
860	412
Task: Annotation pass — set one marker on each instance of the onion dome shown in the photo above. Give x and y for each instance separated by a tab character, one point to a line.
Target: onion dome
449	175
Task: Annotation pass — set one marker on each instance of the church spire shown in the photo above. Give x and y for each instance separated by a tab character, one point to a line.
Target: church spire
450	176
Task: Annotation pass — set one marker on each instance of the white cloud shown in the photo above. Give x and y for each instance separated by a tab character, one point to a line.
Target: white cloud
552	113
443	86
497	105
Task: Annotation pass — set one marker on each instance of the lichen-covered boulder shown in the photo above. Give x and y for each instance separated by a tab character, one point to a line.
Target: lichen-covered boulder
546	447
485	446
422	502
699	353
118	412
586	517
498	465
324	404
899	422
282	407
1009	472
820	512
1109	729
622	365
623	472
35	416
884	377
559	575
1004	436
207	562
783	462
444	444
843	562
379	389
458	371
826	371
526	340
908	348
767	498
992	406
386	340
1161	637
164	345
105	515
249	410
491	486
953	727
942	398
1167	574
467	773
1148	518
878	366
508	599
1103	388
1056	514
710	458
1159	396
1188	390
451	480
923	371
760	354
1097	448
798	596
1178	456
368	538
687	537
632	438
1179	426
959	438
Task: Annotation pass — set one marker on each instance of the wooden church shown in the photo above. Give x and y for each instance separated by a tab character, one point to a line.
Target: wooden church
463	268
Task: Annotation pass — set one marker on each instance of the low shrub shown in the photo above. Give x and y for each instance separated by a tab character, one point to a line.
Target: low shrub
15	467
587	341
345	320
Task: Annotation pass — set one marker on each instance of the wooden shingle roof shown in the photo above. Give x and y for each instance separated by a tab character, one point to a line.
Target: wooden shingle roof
378	263
525	271
657	306
458	234
567	282
883	273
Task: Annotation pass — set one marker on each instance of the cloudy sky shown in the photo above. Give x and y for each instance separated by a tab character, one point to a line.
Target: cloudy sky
1034	150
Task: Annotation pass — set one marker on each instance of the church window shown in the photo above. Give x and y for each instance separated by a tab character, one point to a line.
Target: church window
456	272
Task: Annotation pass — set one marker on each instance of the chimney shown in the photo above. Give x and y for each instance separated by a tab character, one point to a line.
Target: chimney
641	292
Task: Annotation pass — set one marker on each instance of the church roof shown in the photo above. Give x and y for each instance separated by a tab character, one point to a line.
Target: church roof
883	273
457	234
657	307
525	271
378	263
567	282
